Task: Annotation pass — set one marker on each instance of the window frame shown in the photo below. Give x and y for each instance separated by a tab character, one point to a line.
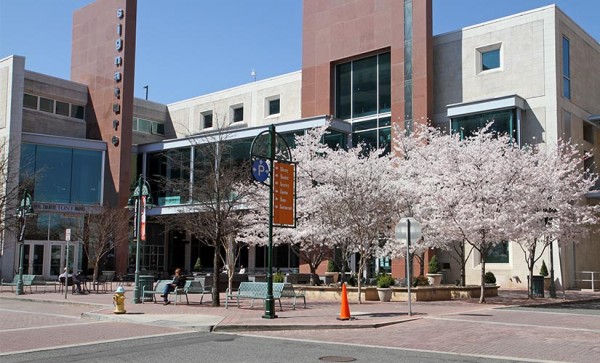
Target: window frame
566	67
480	54
205	115
345	77
234	113
269	102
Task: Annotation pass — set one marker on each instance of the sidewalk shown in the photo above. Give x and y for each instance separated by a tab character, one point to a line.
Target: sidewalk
317	314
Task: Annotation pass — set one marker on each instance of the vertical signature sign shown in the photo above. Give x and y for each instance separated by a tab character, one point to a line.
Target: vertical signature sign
284	194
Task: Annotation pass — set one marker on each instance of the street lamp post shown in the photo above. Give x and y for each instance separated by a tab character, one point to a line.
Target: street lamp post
25	208
139	201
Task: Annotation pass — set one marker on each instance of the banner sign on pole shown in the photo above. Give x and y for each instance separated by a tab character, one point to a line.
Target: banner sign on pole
284	193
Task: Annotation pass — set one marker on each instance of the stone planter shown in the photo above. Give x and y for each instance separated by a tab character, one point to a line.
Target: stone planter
385	294
434	279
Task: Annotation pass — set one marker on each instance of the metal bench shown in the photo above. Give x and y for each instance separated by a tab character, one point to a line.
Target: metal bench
159	289
258	290
195	287
28	281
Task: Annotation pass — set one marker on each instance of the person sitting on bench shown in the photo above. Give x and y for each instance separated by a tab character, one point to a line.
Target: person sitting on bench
66	276
178	281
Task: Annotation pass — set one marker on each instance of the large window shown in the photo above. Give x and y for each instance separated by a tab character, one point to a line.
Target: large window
498	254
374	133
148	127
363	87
169	176
566	68
504	122
63	175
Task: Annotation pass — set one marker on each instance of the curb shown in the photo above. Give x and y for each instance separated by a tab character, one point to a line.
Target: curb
66	302
263	327
118	319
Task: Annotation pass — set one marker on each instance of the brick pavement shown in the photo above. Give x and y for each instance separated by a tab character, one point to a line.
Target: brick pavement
461	327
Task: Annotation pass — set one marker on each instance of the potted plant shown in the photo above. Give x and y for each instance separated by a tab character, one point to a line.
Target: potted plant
490	278
434	276
384	284
544	272
420	281
197	266
278	277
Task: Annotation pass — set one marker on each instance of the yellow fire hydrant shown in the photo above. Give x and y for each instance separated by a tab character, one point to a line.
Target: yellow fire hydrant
119	300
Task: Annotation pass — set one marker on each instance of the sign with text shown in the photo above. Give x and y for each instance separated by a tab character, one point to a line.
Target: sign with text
284	194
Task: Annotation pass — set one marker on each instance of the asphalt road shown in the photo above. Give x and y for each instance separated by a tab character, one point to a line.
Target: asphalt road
567	332
216	348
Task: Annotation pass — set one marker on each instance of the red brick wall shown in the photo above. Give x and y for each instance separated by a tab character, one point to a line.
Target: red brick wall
93	62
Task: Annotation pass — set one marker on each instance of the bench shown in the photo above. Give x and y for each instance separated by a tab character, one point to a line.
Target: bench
190	288
196	287
258	290
159	288
28	281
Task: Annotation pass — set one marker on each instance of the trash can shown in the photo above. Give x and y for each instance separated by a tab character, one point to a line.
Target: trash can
146	283
537	286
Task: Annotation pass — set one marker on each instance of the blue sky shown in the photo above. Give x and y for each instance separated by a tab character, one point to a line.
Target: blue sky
187	48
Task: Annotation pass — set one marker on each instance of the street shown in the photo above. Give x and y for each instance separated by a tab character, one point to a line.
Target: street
36	331
227	348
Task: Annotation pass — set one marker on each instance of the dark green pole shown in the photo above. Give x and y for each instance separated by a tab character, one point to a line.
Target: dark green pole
21	215
270	302
138	217
552	285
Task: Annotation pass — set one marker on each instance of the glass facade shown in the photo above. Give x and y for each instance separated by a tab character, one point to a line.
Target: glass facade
375	133
505	122
172	166
363	87
63	175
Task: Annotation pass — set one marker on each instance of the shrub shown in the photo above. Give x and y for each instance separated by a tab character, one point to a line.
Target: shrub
490	278
385	281
278	277
544	269
198	265
434	265
331	266
420	281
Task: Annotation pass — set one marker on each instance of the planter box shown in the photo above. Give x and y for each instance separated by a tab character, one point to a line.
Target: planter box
421	293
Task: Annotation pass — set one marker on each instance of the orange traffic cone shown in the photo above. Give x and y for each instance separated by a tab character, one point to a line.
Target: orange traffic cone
345	309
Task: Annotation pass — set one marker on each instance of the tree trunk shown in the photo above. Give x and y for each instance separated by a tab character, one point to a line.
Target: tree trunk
530	264
216	273
482	297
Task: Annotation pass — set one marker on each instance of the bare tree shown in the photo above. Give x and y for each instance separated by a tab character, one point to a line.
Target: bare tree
101	233
218	195
13	181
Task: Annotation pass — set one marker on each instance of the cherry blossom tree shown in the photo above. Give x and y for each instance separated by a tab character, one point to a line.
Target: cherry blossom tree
467	189
553	206
484	190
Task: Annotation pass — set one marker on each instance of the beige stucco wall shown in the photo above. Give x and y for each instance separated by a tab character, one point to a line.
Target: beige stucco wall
187	119
12	74
531	67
